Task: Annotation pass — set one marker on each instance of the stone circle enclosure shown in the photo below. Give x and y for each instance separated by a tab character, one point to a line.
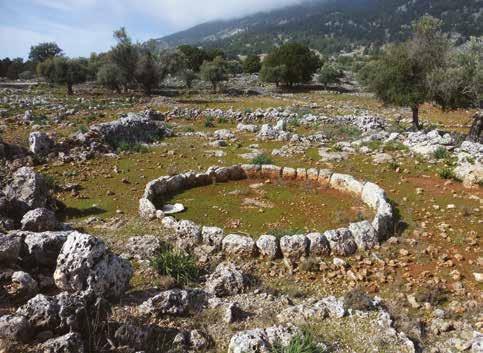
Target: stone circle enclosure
342	241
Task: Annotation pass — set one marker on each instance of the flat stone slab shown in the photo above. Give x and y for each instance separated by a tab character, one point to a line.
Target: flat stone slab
173	209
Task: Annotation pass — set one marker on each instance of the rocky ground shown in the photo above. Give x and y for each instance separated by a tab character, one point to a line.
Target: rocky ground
82	270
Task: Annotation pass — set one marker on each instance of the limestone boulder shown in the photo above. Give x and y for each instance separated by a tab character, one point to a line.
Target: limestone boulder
86	264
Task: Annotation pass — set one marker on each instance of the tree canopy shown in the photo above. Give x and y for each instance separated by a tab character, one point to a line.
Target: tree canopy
62	70
299	61
44	51
425	68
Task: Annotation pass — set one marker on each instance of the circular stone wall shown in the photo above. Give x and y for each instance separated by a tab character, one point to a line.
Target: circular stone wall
342	241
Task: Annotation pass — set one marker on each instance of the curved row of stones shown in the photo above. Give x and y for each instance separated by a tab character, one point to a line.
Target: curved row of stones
342	242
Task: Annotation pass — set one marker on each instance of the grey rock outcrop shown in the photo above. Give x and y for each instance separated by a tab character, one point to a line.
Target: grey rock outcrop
85	264
40	220
27	191
226	280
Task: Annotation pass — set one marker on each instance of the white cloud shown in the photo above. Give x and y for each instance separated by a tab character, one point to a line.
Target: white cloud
83	26
183	13
74	41
65	5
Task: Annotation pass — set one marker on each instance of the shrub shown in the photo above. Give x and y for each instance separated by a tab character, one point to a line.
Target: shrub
434	296
374	145
262	159
446	173
131	147
394	146
110	76
209	121
180	266
83	129
26	75
222	120
441	153
302	343
252	64
356	299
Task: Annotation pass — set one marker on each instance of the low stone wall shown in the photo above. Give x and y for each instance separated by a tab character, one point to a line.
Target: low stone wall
342	241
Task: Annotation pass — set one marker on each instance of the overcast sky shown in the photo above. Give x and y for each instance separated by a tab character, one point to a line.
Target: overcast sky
83	26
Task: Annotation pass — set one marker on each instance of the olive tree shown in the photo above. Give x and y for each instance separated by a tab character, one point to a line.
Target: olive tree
214	71
109	75
148	72
252	64
62	70
299	61
43	51
400	75
329	73
125	55
273	74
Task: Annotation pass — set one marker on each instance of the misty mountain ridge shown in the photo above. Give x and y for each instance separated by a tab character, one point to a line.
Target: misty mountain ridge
331	25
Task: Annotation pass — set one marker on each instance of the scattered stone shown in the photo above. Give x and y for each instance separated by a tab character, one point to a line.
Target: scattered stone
15	327
239	245
294	247
341	241
143	247
68	343
226	280
40	220
268	246
170	302
10	246
40	143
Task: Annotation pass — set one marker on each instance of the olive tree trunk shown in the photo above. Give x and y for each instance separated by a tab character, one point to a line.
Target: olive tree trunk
70	91
476	130
416	125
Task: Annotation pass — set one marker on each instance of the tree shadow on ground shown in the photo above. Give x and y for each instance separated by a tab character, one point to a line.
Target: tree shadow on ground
70	212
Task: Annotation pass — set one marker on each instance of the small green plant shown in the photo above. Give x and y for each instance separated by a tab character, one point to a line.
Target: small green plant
302	343
40	120
335	148
209	121
294	122
374	145
441	153
50	181
181	267
446	173
357	299
132	147
188	129
262	159
394	146
222	120
90	118
83	129
393	165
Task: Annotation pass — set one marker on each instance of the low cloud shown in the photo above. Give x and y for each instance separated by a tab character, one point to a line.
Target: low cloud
83	26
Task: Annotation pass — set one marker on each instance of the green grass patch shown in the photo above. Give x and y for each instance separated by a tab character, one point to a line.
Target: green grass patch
393	146
447	173
302	343
441	153
132	147
182	267
209	122
262	159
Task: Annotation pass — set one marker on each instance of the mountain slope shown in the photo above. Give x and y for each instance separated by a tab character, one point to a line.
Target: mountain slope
331	25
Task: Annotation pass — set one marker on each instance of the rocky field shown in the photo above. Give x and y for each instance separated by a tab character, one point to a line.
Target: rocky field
241	223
